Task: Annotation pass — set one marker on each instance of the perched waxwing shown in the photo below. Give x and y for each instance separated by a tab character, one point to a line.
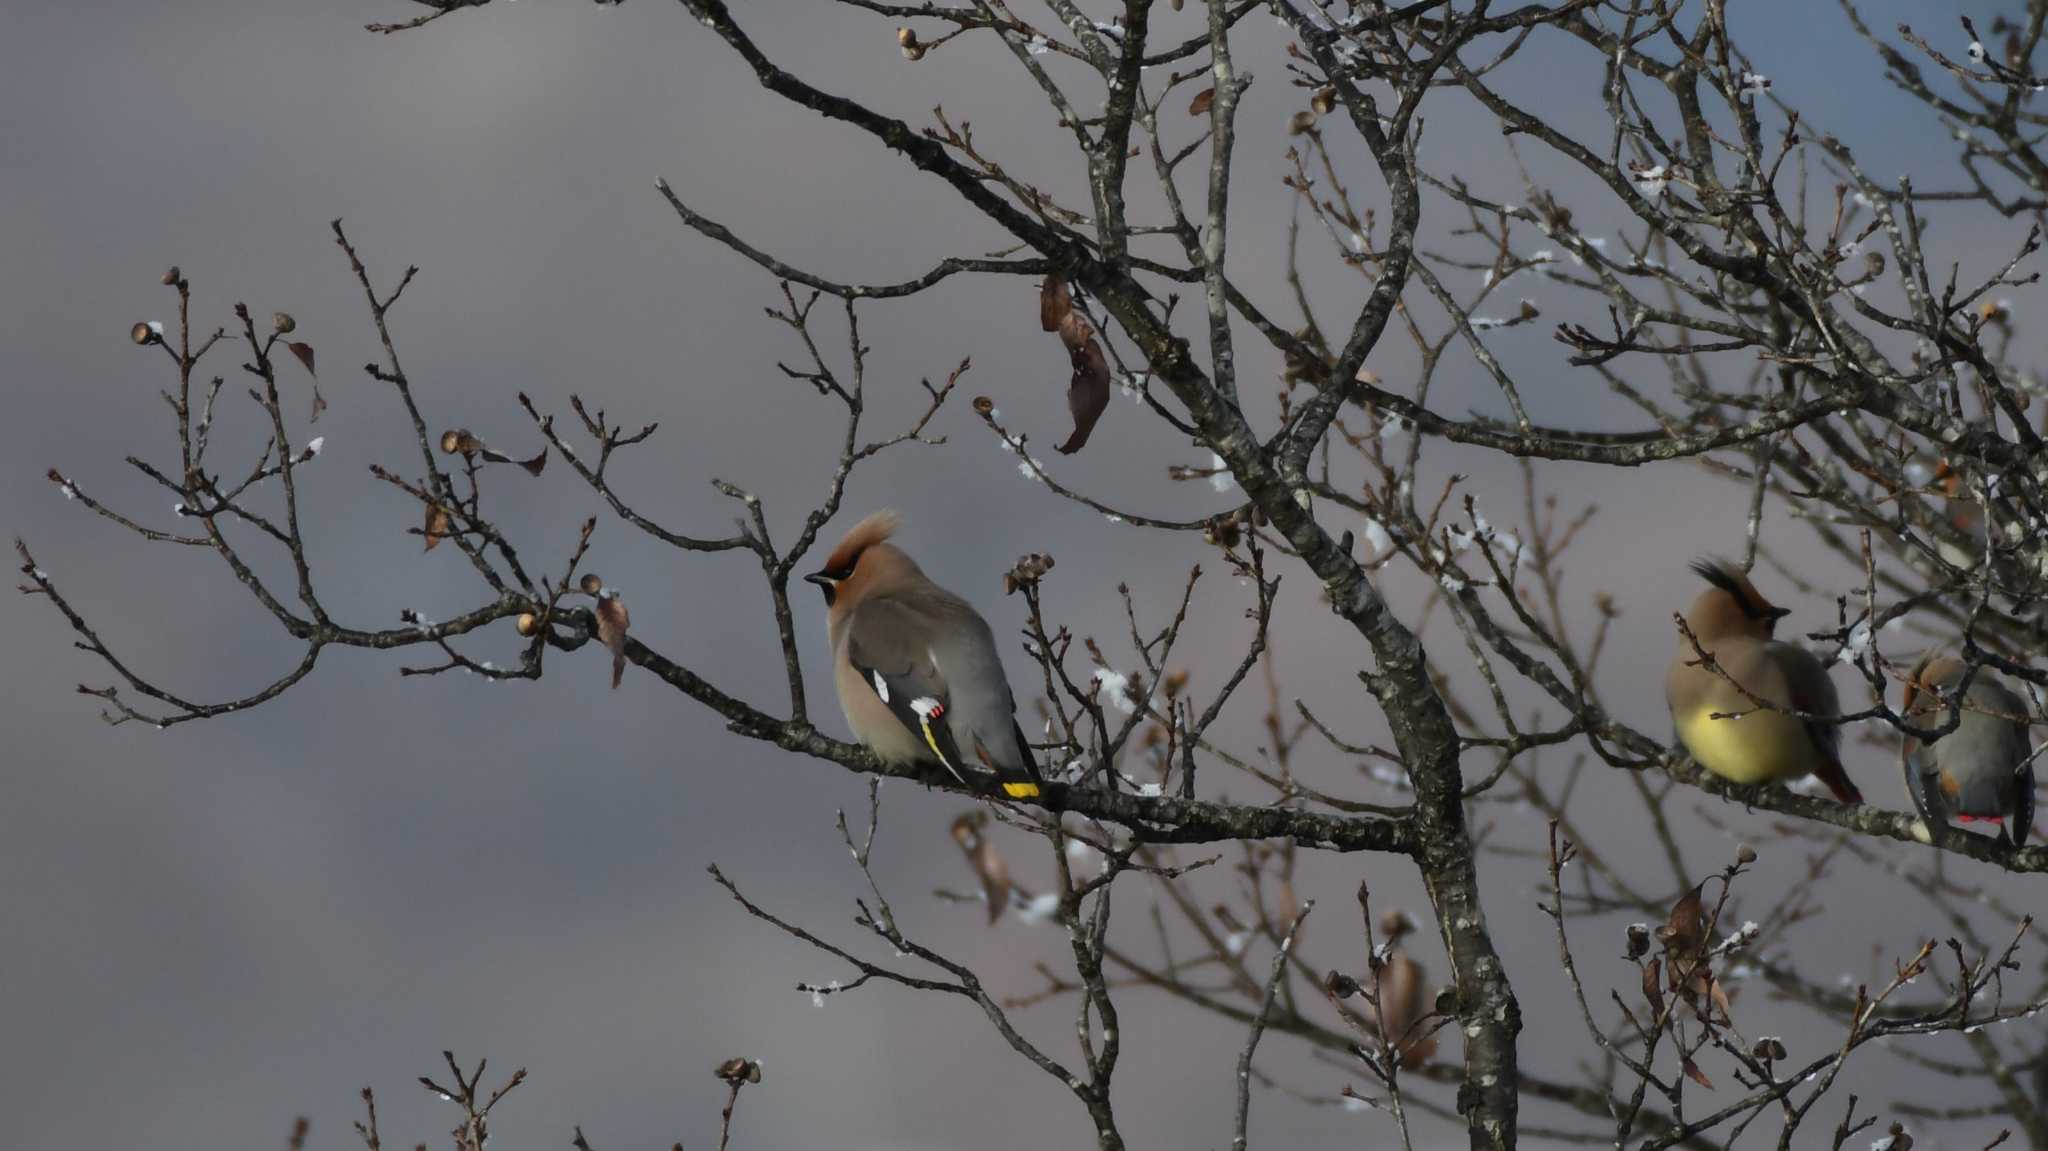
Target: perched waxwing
916	666
1734	625
1984	768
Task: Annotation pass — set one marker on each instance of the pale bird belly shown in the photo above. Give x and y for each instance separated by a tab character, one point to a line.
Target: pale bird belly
874	724
1754	748
892	741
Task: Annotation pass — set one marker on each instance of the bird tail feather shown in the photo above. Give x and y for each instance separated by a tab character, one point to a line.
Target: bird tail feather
1838	782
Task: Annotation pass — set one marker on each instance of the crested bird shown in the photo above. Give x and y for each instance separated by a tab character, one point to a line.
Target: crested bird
1748	743
916	667
1982	770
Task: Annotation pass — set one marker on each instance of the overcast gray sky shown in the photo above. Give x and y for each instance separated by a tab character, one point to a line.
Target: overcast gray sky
213	929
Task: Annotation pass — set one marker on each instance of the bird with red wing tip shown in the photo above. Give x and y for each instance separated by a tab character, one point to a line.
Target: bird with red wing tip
916	667
1982	770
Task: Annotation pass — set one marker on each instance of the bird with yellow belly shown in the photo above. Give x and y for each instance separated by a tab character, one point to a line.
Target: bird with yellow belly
1716	709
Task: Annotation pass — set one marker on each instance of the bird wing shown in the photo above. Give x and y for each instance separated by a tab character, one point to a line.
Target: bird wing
984	710
1809	690
882	646
1923	782
2015	753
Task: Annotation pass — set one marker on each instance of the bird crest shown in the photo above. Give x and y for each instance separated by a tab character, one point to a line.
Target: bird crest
1730	579
876	528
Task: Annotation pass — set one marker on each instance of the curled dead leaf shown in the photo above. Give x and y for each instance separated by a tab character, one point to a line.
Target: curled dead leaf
1087	394
462	441
1088	389
437	524
305	354
533	466
969	833
1286	906
1717	994
612	622
1685	932
1055	304
1204	99
1403	1002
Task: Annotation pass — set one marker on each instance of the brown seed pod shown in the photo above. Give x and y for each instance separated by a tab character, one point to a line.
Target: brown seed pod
527	623
172	277
144	334
282	323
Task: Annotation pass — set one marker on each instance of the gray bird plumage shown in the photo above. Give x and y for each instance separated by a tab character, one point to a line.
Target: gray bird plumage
928	644
917	669
1981	770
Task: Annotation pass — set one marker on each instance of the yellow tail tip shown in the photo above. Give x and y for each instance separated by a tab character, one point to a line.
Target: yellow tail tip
1021	790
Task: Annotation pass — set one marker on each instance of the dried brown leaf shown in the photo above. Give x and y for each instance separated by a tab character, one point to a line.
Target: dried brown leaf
1286	906
436	528
1075	330
305	354
1653	987
1087	394
987	864
612	622
1199	106
1685	932
1693	1072
1719	995
1054	302
1403	1002
319	404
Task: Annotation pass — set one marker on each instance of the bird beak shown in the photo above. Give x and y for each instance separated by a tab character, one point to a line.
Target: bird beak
1777	613
821	579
